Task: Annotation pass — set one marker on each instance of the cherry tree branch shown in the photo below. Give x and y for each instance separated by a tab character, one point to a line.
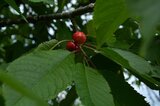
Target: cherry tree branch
63	15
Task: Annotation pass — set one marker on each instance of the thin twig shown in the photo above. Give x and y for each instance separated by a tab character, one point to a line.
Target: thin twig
59	43
64	15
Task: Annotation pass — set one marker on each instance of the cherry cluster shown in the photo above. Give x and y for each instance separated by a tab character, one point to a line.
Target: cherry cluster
79	38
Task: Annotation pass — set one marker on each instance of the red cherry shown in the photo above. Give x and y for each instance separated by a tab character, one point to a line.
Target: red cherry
71	46
79	37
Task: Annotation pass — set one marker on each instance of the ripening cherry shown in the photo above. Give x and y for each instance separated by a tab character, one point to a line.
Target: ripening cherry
71	46
79	37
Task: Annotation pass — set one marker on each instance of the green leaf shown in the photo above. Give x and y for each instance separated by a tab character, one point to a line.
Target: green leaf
156	72
3	66
108	15
119	87
20	88
153	51
92	87
91	30
45	1
145	10
46	73
14	5
126	37
2	101
124	91
2	4
63	33
137	65
61	4
47	45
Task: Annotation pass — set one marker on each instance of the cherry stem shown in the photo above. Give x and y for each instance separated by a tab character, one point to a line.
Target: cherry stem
86	61
59	43
83	51
87	58
88	47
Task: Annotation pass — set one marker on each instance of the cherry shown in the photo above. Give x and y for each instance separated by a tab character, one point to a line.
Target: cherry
71	46
79	37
